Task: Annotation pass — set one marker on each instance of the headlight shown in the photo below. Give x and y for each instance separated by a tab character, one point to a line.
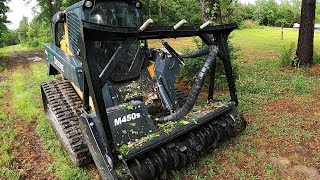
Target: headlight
138	4
88	4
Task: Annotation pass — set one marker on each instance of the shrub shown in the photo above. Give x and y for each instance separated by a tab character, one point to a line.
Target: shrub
192	67
286	58
316	58
249	24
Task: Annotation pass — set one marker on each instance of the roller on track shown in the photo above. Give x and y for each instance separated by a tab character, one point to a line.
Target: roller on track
117	103
61	104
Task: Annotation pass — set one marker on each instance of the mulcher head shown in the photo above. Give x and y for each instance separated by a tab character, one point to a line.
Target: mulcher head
134	120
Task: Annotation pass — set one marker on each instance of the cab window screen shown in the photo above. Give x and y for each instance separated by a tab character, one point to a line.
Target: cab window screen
118	14
115	14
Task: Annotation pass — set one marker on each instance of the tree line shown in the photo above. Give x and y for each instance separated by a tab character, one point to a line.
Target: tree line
163	12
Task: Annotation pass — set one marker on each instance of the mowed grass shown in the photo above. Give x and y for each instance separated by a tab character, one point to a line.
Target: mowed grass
8	134
9	49
268	38
280	105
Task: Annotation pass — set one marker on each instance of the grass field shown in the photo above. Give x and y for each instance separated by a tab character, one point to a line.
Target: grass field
280	104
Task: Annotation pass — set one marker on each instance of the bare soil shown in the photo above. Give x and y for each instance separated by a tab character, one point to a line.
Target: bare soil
30	159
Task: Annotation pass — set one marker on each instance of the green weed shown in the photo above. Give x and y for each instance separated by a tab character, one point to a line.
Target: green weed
286	58
7	136
270	170
250	24
316	58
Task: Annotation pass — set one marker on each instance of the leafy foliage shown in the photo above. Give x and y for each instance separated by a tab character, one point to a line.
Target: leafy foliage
38	33
23	29
193	65
3	17
174	11
3	20
9	37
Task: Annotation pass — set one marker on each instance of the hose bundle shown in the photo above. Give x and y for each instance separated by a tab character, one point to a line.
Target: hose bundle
195	91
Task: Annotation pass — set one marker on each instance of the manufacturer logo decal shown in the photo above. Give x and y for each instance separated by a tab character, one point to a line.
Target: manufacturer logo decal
58	63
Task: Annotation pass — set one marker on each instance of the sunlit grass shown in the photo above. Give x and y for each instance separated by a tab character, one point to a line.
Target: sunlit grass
8	133
9	49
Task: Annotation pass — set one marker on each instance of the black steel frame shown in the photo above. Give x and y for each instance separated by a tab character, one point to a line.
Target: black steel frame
93	81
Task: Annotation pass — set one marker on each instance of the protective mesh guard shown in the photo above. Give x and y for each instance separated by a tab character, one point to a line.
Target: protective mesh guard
118	14
129	67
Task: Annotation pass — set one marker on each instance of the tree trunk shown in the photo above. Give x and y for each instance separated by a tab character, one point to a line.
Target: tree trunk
50	10
159	12
58	5
206	16
306	32
207	10
149	8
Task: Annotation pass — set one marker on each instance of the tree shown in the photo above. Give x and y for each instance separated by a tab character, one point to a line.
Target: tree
211	10
266	11
58	5
149	8
3	18
9	38
219	11
285	15
306	33
50	9
23	29
159	12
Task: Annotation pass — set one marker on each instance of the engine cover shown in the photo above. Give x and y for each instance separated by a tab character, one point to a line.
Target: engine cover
129	121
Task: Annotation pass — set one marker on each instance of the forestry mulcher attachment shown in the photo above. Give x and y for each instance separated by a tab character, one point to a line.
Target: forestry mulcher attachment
117	101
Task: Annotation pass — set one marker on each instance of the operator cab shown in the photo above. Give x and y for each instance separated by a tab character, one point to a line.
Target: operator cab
118	14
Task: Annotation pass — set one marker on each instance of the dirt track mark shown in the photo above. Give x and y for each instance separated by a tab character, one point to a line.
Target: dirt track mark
29	158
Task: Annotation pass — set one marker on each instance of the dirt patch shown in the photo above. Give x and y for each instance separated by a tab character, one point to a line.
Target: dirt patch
310	172
313	71
32	160
93	172
291	107
315	68
16	58
280	161
287	167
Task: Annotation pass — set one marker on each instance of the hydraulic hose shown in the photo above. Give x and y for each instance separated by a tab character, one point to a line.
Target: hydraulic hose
195	54
195	91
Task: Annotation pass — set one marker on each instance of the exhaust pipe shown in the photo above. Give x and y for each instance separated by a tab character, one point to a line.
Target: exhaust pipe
195	91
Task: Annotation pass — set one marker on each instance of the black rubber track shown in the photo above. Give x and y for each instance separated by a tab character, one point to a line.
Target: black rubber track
61	103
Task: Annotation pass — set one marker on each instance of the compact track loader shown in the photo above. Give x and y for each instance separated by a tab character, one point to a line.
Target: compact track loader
117	102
